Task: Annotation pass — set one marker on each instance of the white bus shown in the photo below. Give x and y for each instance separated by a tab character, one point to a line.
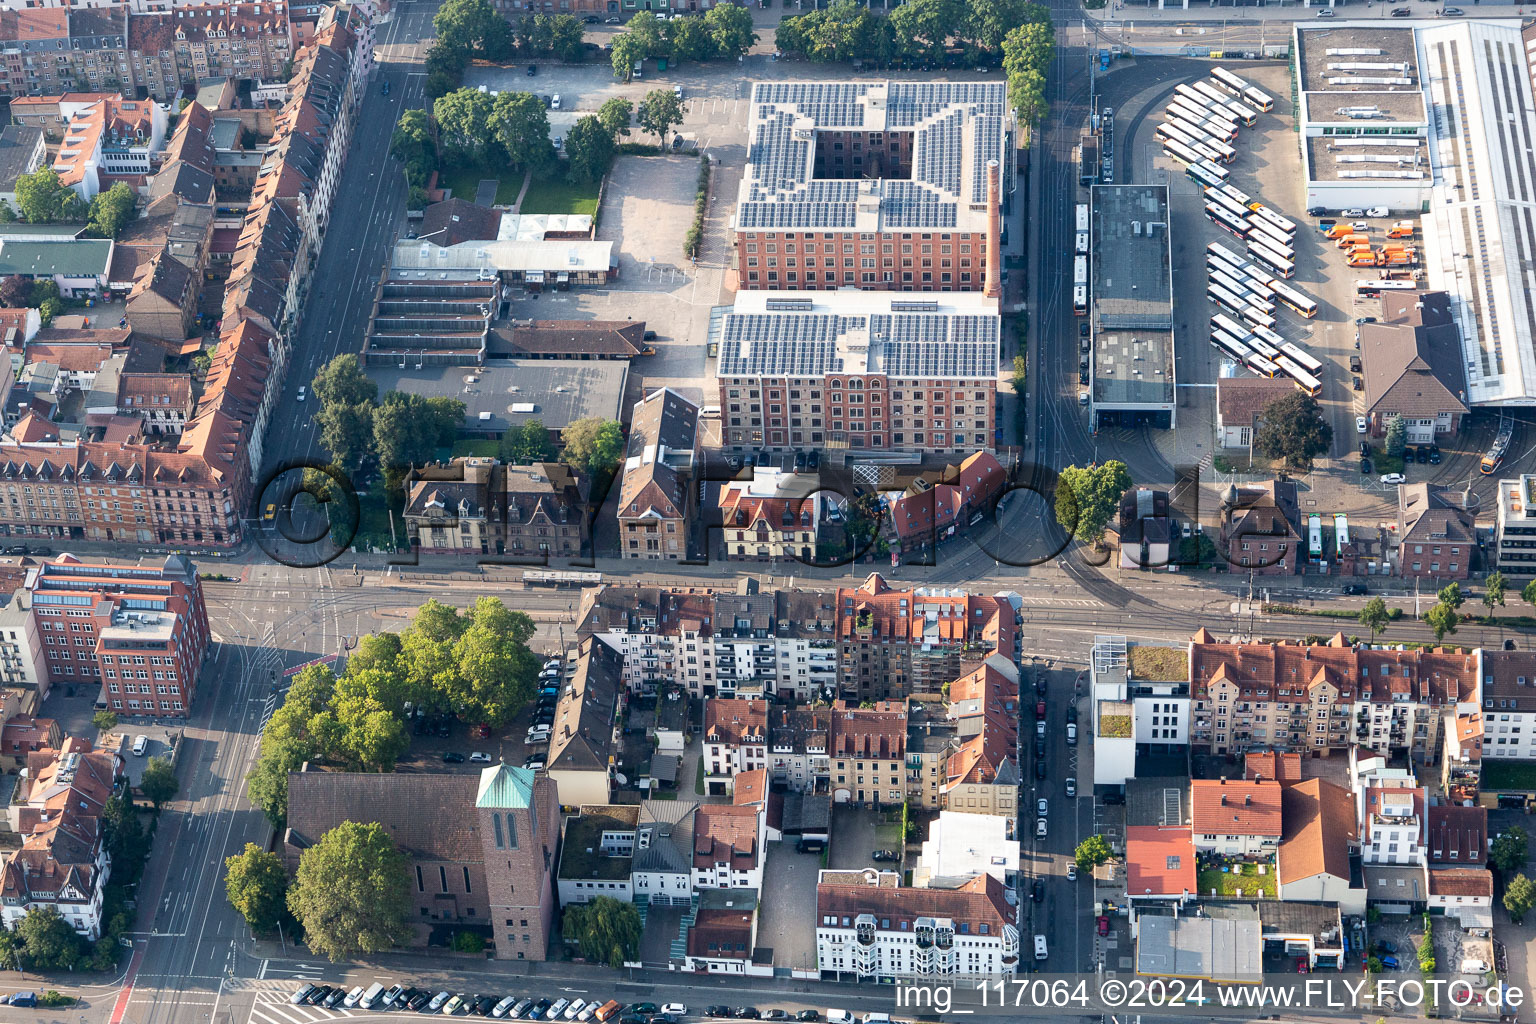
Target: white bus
1223	322
1203	118
1231	106
1237	195
1170	132
1209	138
1206	173
1232	285
1258	240
1237	210
1080	285
1262	347
1302	379
1263	229
1298	302
1082	243
1222	219
1225	299
1219	266
1272	260
1261	366
1194	98
1221	252
1255	315
1264	212
1373	289
1302	358
1082	216
1180	152
1240	88
1231	346
1269	336
1259	282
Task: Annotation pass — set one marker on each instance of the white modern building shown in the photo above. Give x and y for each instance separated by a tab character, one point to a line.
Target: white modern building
962	846
1137	703
1509	705
869	927
1392	826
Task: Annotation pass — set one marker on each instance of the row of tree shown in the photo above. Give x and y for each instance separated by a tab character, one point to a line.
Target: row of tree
917	32
43	199
475	665
360	430
724	32
470	30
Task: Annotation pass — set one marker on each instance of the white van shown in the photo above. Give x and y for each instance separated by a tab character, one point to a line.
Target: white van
140	744
841	1017
1040	953
371	996
877	1018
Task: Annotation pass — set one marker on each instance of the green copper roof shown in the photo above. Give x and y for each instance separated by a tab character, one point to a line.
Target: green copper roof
505	786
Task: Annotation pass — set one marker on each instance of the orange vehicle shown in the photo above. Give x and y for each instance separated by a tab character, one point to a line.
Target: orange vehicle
1339	231
1361	259
1403	229
1348	241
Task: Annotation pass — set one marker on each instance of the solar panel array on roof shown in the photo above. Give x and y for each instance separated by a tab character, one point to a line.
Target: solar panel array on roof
939	152
900	345
909	204
950	360
986	146
910	102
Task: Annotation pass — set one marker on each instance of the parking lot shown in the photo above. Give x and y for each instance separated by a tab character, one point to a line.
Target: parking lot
434	738
787	919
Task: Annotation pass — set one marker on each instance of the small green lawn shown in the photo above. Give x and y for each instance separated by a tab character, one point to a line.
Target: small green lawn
464	179
559	196
473	447
888	833
1227	883
1501	774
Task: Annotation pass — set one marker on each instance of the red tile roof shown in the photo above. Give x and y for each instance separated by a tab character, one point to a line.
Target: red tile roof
735	720
1287	671
878	732
1319	830
1159	861
1466	882
1231	808
725	834
1276	765
978	907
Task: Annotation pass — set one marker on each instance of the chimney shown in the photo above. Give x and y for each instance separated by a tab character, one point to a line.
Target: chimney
994	286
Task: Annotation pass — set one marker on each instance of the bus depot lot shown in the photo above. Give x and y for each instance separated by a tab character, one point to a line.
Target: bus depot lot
1268	168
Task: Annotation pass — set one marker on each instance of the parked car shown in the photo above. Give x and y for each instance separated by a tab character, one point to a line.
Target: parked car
1040	768
534	764
1359	424
438	1001
1071	734
575	1008
1042	807
1071	870
453	1006
452	757
1040	828
509	1003
1326	12
1389	962
676	1009
1357	384
478	757
484	1005
420	999
1103	924
808	1015
747	1013
1365	466
717	1011
1037	891
1383	946
1453	12
1355	589
1365	449
1422	456
1434	455
334	999
301	993
533	69
391	996
885	855
1393	478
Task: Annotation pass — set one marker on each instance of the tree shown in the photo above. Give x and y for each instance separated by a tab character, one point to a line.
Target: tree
1493	591
1028	51
412	144
351	893
49	310
50	943
496	671
1510	850
627	52
988	22
593	445
408	429
1443	619
343	380
730	29
689	39
346	431
473	26
104	720
445	69
159	784
1293	429
1519	897
111	210
256	885
1092	852
617	112
589	149
15	291
565	35
1397	436
1426	950
42	197
1086	498
528	443
463	123
646	28
923	27
1374	616
659	111
126	841
1451	594
519	122
605	929
1528	593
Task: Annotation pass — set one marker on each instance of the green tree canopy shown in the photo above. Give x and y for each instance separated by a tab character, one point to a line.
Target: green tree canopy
730	29
1374	616
346	431
49	942
520	124
1519	897
473	27
43	198
1528	592
256	886
593	445
923	27
123	834
112	210
1087	497
1028	51
616	113
659	110
1397	436
1510	850
1493	591
1443	619
412	144
589	150
343	380
646	28
351	893
1092	852
463	123
159	784
1293	429
104	720
529	442
15	292
606	930
627	52
408	429
689	39
1451	594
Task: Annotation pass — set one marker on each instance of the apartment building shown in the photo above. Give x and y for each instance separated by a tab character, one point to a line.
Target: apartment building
771	517
876	185
481	506
892	643
870	927
653	498
1393	828
62	863
867	751
1261	528
1235	818
1436	533
797	748
1515	526
716	644
1325	697
728	848
1509	704
862	372
735	740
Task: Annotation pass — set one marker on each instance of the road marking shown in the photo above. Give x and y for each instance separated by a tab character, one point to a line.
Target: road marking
121	1006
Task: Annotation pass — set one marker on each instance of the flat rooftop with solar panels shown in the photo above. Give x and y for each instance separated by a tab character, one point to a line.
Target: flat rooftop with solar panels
1132	305
873	156
954	335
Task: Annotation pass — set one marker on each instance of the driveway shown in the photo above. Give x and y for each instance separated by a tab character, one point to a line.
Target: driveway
787	917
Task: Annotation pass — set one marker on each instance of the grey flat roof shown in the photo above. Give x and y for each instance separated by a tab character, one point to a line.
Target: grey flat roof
1199	947
1289	917
560	390
1157	801
1327	158
17	144
1131	271
1133	367
1388	46
1355	109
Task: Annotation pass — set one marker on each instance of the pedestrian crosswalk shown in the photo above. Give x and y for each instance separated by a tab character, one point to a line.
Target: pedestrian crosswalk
271	1004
